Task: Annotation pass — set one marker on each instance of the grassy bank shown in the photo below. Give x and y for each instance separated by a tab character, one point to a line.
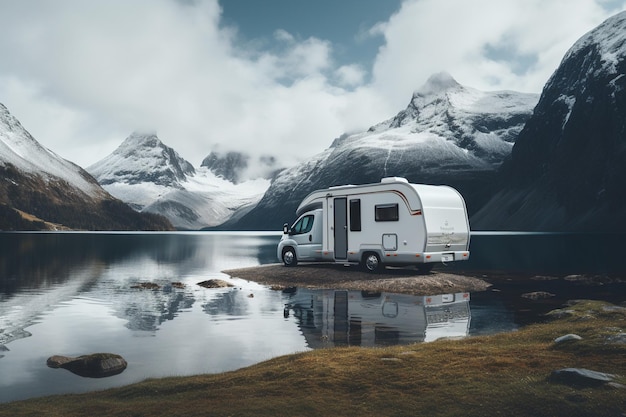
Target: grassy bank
505	374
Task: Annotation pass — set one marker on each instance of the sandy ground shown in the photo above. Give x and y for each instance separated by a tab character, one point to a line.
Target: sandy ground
397	280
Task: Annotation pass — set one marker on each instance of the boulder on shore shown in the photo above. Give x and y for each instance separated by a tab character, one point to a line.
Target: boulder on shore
96	365
580	377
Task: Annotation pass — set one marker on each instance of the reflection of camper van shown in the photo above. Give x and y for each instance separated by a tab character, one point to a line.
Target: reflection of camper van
377	319
388	223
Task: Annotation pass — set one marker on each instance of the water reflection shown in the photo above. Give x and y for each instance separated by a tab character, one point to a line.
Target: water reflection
231	304
39	271
361	318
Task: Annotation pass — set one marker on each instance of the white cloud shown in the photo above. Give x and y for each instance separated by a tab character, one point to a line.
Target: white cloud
82	75
509	44
350	75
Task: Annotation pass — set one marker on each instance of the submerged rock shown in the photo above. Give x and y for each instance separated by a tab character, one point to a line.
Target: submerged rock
96	365
146	286
537	295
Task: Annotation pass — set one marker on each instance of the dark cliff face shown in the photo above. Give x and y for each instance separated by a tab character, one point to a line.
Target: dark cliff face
572	151
238	167
228	166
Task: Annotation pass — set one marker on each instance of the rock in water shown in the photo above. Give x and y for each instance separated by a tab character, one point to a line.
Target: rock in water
96	365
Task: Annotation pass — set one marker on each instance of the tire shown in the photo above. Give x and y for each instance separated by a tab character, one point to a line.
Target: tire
371	262
289	256
424	269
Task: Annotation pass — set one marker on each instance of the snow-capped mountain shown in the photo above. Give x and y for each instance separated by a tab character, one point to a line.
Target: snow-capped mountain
47	188
568	168
19	149
153	178
448	134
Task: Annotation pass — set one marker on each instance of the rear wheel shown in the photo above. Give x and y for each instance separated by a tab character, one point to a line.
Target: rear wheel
289	257
371	262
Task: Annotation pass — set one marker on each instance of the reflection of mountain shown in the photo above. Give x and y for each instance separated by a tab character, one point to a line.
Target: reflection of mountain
20	311
41	271
147	309
376	319
40	261
231	303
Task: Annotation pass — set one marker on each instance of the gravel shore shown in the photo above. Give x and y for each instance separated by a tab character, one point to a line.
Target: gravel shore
397	280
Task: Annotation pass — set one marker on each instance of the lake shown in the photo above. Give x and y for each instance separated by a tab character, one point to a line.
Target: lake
78	293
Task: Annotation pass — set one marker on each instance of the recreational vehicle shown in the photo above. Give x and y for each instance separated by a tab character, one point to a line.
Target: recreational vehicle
388	223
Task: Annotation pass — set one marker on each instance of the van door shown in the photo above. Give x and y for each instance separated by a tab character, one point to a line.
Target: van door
302	232
341	228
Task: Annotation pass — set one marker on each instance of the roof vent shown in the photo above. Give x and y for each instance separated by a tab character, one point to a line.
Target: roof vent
394	179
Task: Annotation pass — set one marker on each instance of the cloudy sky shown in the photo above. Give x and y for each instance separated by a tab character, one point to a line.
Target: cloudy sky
278	77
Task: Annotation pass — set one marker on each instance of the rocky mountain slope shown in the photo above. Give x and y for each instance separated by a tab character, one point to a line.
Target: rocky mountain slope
448	134
237	167
41	190
567	170
153	178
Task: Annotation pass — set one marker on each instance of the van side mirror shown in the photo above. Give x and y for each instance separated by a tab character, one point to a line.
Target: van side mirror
285	228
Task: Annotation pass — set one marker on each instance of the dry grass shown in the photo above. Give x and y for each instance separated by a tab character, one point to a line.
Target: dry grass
503	374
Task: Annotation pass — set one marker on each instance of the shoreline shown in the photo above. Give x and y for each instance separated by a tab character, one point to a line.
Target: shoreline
337	276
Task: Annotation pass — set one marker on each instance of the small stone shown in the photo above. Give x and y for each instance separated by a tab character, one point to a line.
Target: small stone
567	338
619	339
215	283
560	313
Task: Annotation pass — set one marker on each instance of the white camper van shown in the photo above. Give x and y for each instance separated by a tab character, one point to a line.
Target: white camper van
388	223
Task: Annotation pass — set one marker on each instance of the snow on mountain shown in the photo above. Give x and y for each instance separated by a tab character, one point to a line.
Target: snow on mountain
42	191
567	169
152	177
20	149
142	158
206	200
448	134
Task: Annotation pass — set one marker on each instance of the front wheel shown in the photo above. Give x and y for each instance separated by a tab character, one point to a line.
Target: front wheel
289	257
371	262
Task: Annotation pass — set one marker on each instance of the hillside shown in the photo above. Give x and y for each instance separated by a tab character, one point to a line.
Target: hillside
41	191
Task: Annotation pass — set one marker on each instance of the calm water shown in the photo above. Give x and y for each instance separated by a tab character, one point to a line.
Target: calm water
72	294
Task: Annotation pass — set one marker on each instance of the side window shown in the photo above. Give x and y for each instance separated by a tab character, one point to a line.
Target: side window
304	225
355	215
387	213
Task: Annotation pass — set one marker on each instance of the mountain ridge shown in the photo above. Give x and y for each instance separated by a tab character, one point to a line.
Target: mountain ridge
447	134
153	178
42	191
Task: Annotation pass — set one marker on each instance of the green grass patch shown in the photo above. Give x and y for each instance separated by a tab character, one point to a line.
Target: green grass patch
505	374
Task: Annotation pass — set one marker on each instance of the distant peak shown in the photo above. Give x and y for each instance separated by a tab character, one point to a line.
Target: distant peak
142	137
437	83
138	134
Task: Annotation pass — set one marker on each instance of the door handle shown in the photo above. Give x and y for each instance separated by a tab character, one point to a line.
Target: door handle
310	238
